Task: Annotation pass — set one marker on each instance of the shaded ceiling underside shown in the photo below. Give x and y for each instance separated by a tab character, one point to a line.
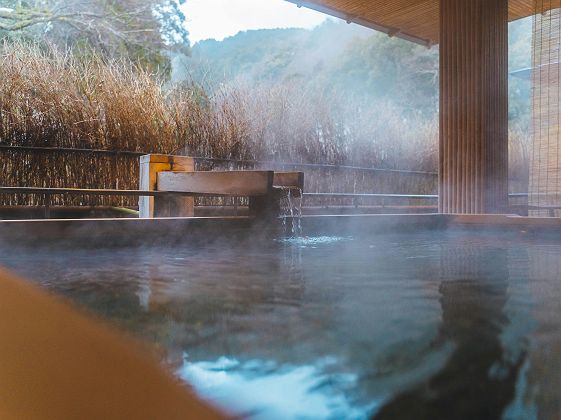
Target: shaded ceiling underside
414	20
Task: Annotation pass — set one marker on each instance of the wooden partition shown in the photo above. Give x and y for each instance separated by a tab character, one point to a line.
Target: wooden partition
235	183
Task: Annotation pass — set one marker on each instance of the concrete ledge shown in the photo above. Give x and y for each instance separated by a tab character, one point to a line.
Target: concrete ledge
123	232
134	232
199	230
504	221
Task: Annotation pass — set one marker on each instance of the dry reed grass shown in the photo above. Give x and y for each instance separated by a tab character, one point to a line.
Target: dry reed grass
50	98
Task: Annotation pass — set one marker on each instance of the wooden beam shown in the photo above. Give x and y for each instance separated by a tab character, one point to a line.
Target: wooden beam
362	20
236	183
102	192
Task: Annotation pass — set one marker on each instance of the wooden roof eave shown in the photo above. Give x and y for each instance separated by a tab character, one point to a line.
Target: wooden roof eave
397	32
413	20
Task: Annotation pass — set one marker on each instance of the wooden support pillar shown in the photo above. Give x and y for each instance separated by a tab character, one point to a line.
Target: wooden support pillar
150	165
473	106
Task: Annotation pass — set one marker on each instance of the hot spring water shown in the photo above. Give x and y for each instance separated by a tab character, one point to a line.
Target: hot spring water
419	325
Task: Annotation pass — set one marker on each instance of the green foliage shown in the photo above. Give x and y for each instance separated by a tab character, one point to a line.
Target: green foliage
363	65
172	24
139	30
336	57
520	57
393	71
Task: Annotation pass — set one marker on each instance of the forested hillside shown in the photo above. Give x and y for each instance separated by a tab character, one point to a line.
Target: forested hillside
346	59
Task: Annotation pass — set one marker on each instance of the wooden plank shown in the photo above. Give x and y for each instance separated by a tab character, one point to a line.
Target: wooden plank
148	181
58	363
71	191
177	161
87	191
237	183
177	206
108	192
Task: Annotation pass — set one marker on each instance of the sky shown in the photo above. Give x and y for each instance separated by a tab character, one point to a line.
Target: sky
219	19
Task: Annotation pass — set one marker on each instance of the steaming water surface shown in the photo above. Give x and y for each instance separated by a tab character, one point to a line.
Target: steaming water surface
422	325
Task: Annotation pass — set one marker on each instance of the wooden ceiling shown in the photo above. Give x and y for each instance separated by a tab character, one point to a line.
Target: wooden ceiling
415	20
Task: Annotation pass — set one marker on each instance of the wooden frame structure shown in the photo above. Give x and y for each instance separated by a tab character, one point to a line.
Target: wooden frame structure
473	37
178	182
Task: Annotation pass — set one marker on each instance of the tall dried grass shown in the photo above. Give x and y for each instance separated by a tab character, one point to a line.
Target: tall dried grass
50	98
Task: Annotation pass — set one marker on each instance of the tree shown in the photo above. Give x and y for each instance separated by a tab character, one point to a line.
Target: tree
142	30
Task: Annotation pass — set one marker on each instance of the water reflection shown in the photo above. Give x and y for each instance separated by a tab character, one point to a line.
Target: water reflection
544	378
478	380
402	326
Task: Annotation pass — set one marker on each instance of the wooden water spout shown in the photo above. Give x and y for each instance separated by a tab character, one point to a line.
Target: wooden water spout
176	174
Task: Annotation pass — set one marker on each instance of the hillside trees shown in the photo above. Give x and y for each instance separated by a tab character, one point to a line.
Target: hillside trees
366	67
140	30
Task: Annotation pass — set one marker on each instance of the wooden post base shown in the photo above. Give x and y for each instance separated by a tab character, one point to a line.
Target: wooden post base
150	166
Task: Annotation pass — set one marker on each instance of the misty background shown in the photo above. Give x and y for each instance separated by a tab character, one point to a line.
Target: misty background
337	93
379	90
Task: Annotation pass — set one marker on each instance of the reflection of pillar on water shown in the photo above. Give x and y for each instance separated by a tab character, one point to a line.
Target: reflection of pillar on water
144	293
477	381
544	375
154	290
217	301
293	265
243	278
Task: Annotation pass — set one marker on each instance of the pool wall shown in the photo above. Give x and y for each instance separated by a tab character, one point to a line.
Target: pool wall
132	232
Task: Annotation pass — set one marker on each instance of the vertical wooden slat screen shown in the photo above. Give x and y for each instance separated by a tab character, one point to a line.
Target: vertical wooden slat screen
473	106
545	171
